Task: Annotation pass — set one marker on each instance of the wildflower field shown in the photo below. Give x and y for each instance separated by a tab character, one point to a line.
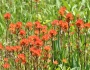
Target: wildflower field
44	34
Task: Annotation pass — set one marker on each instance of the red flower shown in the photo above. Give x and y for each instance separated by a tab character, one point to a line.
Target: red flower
22	32
1	47
33	39
12	27
69	16
55	22
61	23
29	25
6	65
79	23
6	59
36	0
14	48
23	61
62	11
52	33
38	25
36	32
24	42
87	25
32	49
47	48
18	25
44	29
55	62
45	37
8	48
64	26
17	60
38	43
19	48
7	16
21	56
35	51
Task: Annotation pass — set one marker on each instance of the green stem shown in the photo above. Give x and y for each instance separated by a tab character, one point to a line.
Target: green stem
69	41
78	46
6	30
31	6
85	50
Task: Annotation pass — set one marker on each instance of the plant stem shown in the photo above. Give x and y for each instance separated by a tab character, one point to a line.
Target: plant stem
85	50
52	50
69	41
31	6
77	46
6	30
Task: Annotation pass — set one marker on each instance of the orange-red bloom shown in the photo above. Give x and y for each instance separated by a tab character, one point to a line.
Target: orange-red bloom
8	48
38	43
47	48
52	33
36	0
12	27
61	23
22	32
18	25
55	22
6	59
45	37
6	65
64	60
38	25
69	16
87	25
7	16
19	48
79	23
55	62
21	56
13	48
44	29
1	47
29	25
24	42
64	26
62	11
35	51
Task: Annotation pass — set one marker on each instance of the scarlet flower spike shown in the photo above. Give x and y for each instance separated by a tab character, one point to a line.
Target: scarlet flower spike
36	0
1	47
55	22
18	25
22	32
6	65
47	48
79	23
7	16
69	16
87	25
52	33
62	11
55	62
12	27
29	25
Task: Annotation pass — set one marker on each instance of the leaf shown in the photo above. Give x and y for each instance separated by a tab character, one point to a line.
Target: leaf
66	4
58	68
57	3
